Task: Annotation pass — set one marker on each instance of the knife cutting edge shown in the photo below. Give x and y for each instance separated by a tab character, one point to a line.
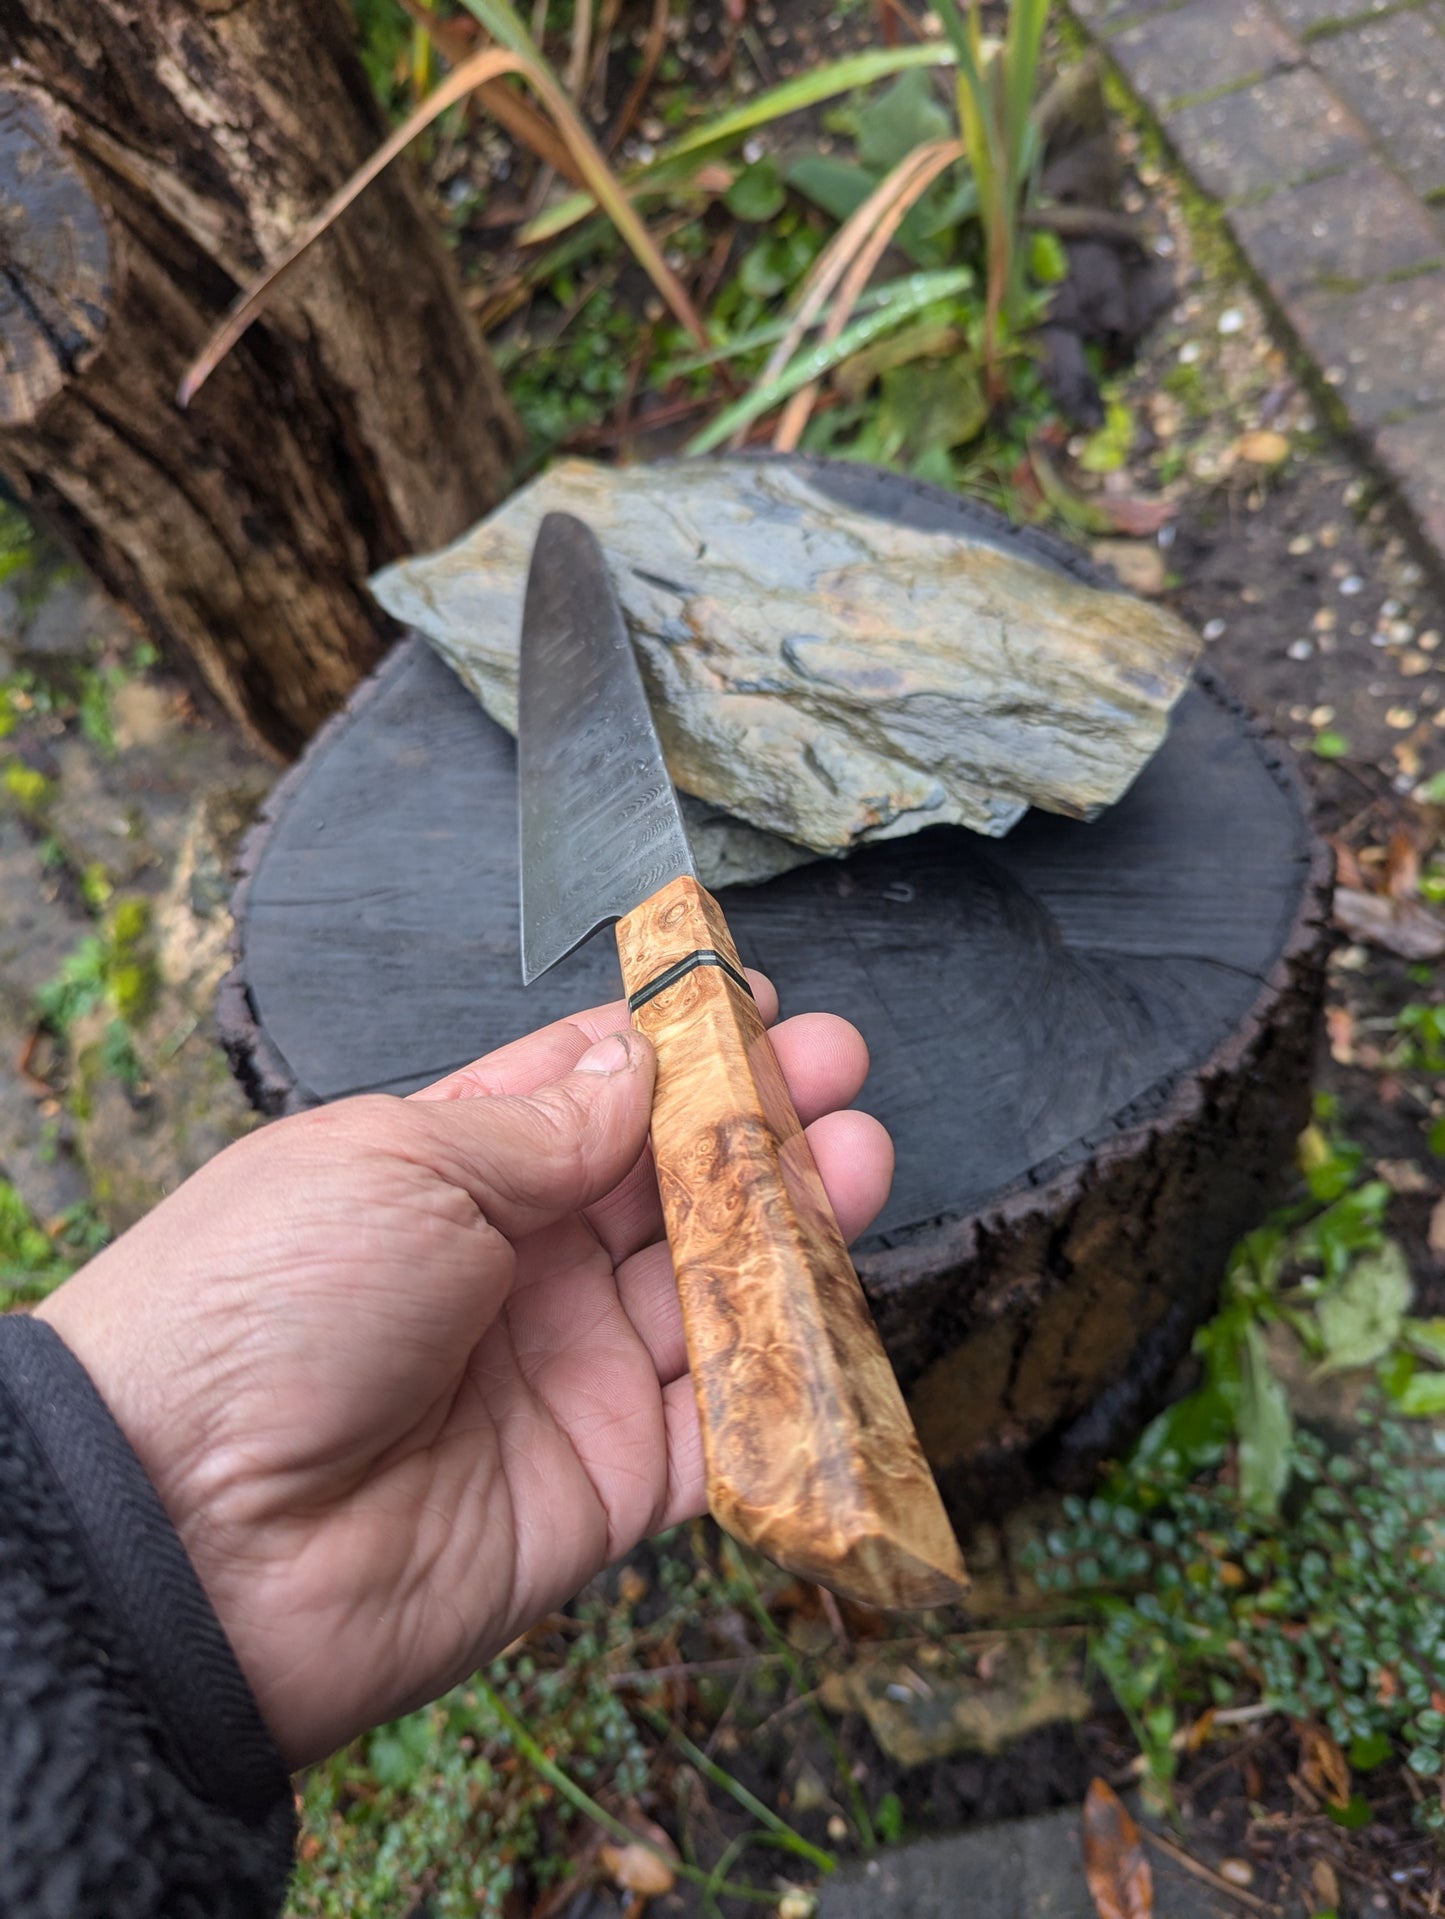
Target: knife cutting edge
810	1451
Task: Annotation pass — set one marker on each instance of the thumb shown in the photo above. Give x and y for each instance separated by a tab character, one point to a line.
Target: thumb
525	1160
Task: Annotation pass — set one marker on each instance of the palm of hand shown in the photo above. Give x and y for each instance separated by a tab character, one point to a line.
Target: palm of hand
445	1478
432	1397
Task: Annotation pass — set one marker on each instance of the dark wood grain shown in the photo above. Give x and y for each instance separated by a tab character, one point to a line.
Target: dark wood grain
1090	1042
811	1454
1015	993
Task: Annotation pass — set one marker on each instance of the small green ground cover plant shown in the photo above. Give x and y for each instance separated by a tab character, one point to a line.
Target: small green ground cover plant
36	1257
1241	1555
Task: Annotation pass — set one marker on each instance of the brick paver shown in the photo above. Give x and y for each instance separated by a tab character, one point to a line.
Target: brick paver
1277	133
1392	72
1320	127
1199	48
1382	349
1357	226
1412	453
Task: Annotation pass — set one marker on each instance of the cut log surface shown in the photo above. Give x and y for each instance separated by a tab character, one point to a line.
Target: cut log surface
1091	1043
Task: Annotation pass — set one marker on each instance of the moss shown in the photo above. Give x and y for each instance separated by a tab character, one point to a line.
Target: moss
31	791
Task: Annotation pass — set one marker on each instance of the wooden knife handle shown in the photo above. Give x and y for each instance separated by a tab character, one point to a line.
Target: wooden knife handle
811	1454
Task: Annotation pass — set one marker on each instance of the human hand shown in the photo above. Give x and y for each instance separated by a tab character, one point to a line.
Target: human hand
407	1373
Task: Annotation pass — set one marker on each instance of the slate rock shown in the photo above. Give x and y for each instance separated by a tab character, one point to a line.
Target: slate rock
827	677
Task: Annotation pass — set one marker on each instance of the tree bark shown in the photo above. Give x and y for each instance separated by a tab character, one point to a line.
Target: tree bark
152	159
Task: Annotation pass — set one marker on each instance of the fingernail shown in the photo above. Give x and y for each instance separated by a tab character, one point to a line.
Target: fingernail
610	1055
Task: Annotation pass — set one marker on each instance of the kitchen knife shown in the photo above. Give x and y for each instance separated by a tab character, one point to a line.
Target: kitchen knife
811	1455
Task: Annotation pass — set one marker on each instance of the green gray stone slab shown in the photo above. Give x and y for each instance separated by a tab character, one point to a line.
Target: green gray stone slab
1383	349
1356	226
1202	47
1274	134
1392	72
819	673
1019	1869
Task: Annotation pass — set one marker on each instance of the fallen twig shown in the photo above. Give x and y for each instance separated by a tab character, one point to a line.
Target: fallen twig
652	51
1209	1877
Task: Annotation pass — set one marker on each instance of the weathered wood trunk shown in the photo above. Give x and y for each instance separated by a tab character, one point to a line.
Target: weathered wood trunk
152	158
1091	1043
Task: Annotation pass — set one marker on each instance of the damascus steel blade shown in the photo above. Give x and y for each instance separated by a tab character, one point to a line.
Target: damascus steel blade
600	826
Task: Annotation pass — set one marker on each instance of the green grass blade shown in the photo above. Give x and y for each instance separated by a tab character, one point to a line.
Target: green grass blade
954	30
817	360
773	331
1027	21
677	159
809	90
574	1794
782	1833
505	25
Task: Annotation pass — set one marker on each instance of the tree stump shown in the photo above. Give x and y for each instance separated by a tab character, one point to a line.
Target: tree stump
1091	1043
152	160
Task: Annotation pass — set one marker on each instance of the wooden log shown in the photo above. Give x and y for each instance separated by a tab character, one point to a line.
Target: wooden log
1091	1043
152	159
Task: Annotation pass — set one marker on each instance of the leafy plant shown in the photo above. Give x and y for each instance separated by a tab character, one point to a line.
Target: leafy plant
514	54
1236	1554
35	1258
497	1790
679	165
114	966
923	377
21	547
916	183
1322	1270
29	788
1422	1029
996	91
1336	1618
79	690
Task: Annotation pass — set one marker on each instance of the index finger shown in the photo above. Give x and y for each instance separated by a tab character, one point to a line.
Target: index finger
549	1054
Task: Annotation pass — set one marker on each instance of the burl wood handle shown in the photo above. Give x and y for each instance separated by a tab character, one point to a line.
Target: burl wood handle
811	1455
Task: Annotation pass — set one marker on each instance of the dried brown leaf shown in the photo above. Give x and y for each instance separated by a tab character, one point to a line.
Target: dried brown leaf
1200	1731
1340	1029
1348	871
1399	926
1138	564
1436	1234
1402	866
1137	518
636	1867
1121	1882
907	180
1326	1886
491	64
1263	447
632	1586
1323	1767
1404	1176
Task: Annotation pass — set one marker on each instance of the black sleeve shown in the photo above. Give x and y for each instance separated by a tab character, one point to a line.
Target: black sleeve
137	1779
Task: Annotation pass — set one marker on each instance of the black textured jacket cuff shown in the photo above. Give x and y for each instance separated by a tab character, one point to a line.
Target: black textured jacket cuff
139	1777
